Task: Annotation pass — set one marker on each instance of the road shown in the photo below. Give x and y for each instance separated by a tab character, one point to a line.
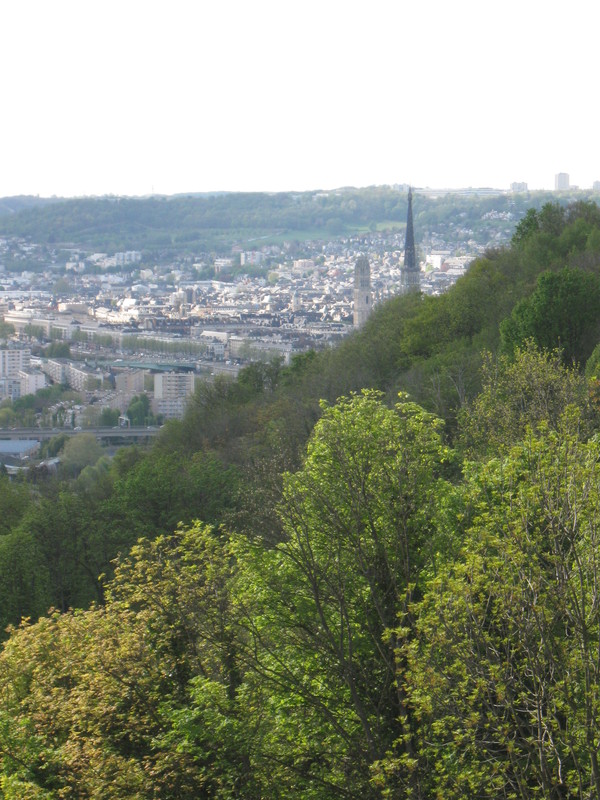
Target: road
100	433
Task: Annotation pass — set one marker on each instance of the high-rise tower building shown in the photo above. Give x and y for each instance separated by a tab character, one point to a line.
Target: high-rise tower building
362	291
410	278
12	360
561	181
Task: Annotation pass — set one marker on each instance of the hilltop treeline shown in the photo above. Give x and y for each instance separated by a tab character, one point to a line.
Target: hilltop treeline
196	224
370	574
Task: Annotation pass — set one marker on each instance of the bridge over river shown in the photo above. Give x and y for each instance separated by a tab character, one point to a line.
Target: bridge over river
41	434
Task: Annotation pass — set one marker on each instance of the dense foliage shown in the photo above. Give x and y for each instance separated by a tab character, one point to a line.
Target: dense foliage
373	596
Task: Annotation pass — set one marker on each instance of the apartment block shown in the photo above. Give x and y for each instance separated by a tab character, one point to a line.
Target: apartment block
13	360
171	393
31	382
130	381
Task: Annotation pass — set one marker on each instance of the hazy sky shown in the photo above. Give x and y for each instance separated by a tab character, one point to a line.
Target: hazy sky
131	97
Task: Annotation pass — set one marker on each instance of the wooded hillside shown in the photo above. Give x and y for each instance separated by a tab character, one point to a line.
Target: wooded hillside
370	574
200	223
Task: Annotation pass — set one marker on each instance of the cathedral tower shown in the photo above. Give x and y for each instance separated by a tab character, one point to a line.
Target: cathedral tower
362	291
411	277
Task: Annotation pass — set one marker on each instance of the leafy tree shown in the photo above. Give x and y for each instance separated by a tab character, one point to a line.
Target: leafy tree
23	577
14	500
160	491
68	537
359	523
533	388
53	446
138	410
504	669
125	459
109	418
95	482
35	332
57	350
90	416
80	451
7	417
25	590
563	311
552	219
6	329
528	226
586	210
139	699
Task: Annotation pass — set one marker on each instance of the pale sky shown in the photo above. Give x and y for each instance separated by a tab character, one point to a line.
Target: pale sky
129	97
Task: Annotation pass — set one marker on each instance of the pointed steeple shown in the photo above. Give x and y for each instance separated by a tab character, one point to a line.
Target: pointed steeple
410	270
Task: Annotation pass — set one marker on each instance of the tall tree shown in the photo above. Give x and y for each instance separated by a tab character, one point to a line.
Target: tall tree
531	388
504	670
137	699
359	524
563	312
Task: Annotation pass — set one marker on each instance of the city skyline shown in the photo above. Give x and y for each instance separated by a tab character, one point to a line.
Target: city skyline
143	98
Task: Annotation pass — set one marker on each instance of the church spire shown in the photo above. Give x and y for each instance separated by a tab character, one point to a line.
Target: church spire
410	270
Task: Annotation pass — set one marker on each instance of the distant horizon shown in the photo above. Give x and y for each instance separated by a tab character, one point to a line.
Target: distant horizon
191	192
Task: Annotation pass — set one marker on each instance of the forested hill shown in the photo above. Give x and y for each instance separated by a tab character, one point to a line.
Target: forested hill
216	222
13	205
371	574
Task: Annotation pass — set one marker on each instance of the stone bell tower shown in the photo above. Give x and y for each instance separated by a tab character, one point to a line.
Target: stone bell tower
362	291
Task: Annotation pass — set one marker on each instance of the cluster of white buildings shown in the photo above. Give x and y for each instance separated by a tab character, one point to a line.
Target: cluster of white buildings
105	261
77	376
21	375
298	303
